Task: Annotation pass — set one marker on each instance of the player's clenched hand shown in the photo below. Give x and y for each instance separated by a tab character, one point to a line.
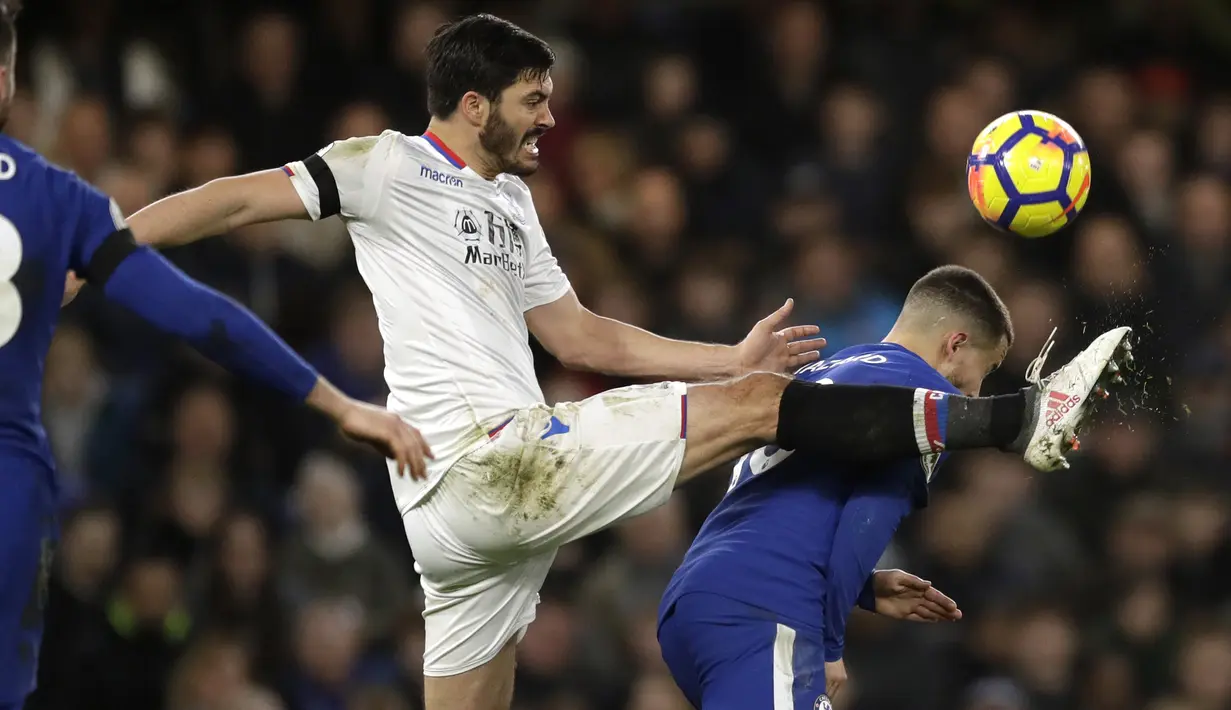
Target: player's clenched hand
389	434
770	347
835	677
902	595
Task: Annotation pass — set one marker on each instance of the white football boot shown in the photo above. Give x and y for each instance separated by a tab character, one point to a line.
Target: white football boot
1059	404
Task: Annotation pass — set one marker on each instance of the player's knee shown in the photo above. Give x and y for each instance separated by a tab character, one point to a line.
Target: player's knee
749	400
757	389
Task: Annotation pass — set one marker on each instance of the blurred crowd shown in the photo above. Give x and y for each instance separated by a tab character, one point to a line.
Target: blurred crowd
223	549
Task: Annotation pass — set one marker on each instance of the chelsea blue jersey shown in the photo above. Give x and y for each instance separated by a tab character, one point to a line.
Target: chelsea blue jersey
770	542
50	221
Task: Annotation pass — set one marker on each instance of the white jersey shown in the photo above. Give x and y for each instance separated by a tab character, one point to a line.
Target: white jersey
453	261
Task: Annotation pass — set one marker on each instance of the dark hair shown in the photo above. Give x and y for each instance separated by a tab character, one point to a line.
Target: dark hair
481	53
8	28
964	291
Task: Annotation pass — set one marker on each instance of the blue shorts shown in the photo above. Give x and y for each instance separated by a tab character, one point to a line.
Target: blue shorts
727	655
28	535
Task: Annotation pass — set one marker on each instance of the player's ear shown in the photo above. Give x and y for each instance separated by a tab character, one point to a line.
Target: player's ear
955	342
475	108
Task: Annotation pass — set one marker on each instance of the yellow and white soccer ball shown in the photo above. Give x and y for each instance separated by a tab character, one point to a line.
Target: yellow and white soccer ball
1029	173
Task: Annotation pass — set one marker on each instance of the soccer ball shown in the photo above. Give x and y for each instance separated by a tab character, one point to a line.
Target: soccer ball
1028	173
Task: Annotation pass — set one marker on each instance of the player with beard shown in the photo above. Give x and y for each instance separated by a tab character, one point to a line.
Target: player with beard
447	239
51	221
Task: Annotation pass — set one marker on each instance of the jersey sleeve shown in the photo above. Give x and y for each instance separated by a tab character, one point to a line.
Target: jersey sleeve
142	280
545	280
92	218
868	522
344	178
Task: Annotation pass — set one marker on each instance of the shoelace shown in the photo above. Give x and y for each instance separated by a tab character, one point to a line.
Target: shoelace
1035	371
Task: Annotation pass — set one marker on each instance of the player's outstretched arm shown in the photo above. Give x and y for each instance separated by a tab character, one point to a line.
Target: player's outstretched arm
584	340
141	279
217	207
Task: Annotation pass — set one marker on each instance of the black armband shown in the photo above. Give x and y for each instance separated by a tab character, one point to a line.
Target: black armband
107	257
326	185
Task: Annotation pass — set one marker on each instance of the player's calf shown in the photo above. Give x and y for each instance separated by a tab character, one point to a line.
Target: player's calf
488	687
854	423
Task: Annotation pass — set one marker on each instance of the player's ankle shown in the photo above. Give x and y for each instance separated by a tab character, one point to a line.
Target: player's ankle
985	422
1011	423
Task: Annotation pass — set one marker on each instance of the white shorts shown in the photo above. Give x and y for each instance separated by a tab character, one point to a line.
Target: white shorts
484	539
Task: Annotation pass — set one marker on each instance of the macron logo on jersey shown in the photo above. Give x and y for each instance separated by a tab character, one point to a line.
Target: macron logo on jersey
436	176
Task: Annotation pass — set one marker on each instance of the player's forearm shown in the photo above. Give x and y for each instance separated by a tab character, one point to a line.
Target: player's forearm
616	348
328	399
215	325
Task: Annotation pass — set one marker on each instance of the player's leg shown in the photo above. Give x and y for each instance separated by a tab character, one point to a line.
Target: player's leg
484	539
868	424
725	655
27	540
488	687
552	475
476	607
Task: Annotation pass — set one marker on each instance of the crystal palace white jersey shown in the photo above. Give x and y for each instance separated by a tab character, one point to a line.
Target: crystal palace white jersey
453	261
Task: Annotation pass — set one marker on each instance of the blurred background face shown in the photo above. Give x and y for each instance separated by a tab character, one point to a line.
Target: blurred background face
1109	260
327	642
413	27
208	156
153	589
271	55
1204	670
244	553
670	87
89	550
85	137
328	494
203	424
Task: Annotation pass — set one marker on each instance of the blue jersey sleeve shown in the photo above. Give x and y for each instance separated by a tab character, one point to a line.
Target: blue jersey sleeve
215	325
867	523
91	217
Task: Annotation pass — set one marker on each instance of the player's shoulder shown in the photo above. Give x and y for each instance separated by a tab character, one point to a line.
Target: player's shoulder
17	157
18	151
365	146
876	364
33	171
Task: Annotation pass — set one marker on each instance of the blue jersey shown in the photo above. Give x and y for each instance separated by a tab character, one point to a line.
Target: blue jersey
796	538
50	221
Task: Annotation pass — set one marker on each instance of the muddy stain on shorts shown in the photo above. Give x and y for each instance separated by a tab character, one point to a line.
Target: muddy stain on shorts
618	403
524	482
